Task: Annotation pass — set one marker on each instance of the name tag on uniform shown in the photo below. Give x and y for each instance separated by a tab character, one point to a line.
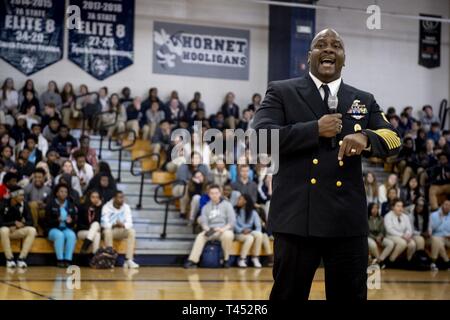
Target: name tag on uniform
357	110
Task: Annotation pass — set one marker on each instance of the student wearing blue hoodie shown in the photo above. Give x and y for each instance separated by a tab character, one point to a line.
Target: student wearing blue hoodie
248	230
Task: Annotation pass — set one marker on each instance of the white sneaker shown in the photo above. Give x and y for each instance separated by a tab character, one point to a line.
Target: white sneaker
10	264
256	263
21	264
242	263
433	267
130	264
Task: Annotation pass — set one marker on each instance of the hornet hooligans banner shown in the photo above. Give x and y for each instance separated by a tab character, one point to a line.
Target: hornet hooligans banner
102	42
200	51
31	33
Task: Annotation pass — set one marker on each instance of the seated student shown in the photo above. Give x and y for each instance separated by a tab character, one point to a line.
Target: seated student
399	230
20	130
439	181
61	215
36	194
220	174
24	168
53	162
16	223
248	230
9	181
196	187
51	130
410	193
245	120
230	111
106	186
184	173
90	153
68	169
377	237
42	144
48	179
117	223
419	218
153	117
244	184
440	234
82	169
217	221
49	113
88	224
231	195
63	143
35	154
161	138
30	116
390	182
7	157
134	116
389	203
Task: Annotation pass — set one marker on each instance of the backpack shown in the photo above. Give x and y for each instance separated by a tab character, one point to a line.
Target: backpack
104	259
211	255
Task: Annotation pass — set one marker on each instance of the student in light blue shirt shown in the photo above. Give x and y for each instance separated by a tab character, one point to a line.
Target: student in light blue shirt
440	234
248	230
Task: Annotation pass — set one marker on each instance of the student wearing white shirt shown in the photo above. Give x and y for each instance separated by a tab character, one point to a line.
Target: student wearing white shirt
9	100
117	223
83	170
399	230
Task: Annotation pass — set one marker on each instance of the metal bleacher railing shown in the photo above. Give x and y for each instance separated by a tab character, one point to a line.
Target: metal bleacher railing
163	198
142	172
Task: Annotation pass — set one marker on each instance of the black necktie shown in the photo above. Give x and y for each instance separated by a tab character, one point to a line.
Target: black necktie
326	89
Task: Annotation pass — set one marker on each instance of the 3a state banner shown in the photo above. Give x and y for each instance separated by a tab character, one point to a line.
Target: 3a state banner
31	33
101	42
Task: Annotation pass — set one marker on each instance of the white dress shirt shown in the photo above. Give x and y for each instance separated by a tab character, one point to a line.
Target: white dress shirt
397	225
333	85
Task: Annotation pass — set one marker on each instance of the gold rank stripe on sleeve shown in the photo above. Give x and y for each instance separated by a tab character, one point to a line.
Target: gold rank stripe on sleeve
392	140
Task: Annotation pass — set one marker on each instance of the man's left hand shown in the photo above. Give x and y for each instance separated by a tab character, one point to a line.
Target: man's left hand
352	145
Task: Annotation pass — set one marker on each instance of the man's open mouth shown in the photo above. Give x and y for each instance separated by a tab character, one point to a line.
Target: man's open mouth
326	62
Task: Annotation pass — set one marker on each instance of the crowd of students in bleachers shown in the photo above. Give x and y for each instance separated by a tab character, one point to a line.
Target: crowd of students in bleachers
409	211
55	185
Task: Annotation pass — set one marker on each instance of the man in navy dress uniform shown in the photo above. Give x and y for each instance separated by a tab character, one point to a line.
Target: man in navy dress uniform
318	210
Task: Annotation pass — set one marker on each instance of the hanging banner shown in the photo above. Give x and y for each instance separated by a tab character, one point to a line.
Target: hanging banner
102	40
430	43
31	33
201	51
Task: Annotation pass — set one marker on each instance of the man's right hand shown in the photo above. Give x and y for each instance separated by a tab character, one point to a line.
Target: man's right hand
329	125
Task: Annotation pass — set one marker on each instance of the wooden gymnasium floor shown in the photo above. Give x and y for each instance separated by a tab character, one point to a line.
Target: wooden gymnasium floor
43	283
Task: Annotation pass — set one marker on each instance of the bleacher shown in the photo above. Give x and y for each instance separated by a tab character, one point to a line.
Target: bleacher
151	248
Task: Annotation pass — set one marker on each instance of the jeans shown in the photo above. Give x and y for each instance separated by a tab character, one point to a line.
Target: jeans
64	243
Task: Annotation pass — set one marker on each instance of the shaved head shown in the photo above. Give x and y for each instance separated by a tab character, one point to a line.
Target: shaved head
323	33
326	56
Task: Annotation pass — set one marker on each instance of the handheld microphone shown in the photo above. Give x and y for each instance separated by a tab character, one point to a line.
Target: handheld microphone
332	107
